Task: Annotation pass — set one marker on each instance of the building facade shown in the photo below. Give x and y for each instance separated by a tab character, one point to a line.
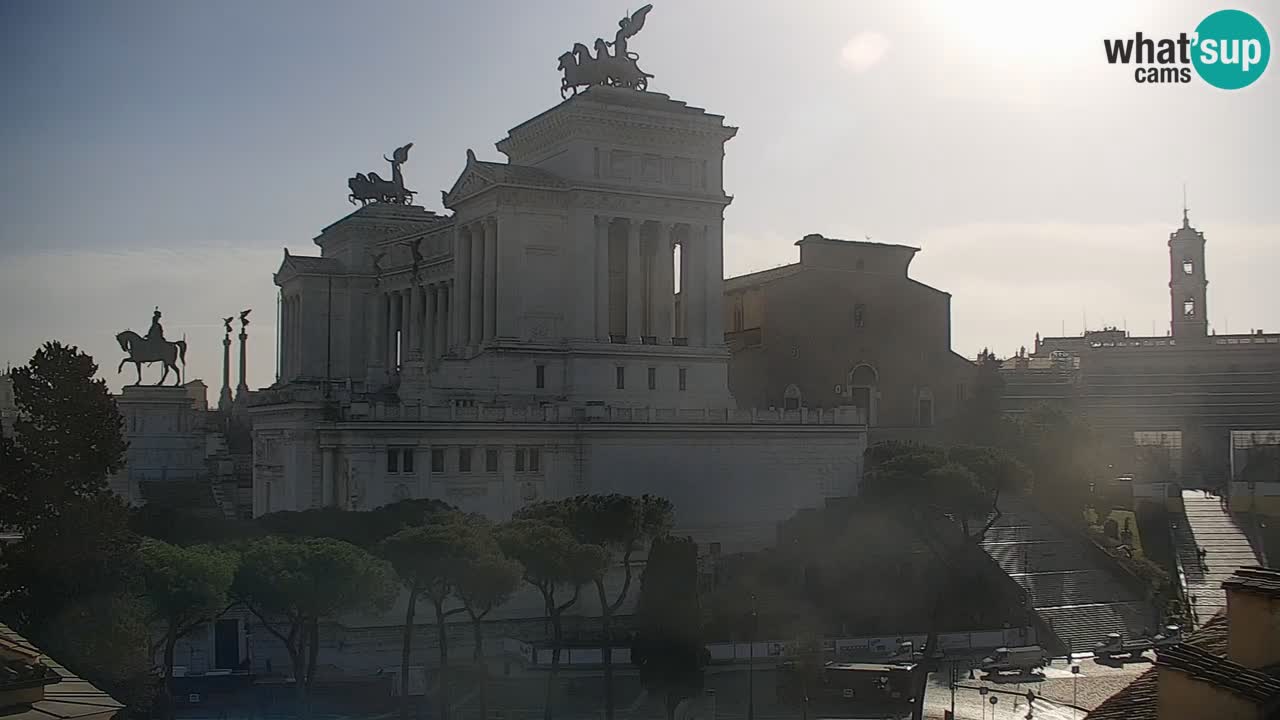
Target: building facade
530	344
1191	381
846	327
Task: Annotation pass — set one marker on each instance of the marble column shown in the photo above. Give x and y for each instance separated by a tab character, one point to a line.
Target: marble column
476	300
372	324
326	477
693	285
413	324
665	285
601	228
429	323
397	324
713	297
443	303
461	290
635	282
490	278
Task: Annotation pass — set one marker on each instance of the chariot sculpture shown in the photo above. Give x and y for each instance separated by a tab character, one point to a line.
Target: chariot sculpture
618	69
370	188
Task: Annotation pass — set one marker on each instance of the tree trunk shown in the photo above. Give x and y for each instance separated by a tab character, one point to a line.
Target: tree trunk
482	671
443	634
606	649
171	639
406	650
557	632
298	658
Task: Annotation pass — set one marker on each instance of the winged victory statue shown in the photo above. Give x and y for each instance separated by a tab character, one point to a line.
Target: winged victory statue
617	69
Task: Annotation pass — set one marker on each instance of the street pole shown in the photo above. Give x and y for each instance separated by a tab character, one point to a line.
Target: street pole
751	662
953	689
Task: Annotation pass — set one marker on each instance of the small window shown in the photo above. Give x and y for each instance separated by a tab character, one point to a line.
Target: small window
1188	267
491	460
437	460
534	459
859	316
926	412
406	460
683	378
520	453
541	381
622	378
737	318
464	459
653	378
1189	308
393	460
715	549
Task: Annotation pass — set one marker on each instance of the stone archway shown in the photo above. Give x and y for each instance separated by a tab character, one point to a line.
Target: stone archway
792	399
864	390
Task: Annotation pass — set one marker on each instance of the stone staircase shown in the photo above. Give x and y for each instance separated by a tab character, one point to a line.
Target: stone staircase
1210	526
1070	588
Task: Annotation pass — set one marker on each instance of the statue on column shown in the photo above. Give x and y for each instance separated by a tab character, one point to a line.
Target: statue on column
153	348
617	70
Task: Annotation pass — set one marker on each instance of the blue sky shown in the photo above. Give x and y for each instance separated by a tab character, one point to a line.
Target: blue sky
165	152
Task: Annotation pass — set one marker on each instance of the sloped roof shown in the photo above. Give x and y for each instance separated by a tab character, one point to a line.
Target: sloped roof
1216	670
760	277
1262	581
71	698
1137	700
506	174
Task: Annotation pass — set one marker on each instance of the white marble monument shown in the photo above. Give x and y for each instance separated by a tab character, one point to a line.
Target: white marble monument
560	332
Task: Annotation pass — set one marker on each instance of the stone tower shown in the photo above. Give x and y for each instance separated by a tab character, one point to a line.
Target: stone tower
1187	283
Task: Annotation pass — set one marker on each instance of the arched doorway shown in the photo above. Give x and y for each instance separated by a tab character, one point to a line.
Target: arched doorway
864	384
791	398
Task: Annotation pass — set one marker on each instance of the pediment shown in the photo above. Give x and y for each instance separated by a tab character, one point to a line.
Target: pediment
474	179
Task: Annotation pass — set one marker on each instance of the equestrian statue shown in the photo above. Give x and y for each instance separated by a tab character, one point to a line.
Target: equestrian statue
153	348
372	188
618	70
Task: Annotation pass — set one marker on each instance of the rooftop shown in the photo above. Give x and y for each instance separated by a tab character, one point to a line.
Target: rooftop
1262	581
70	698
1211	668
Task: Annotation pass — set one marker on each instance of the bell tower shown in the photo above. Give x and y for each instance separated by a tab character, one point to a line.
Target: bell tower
1187	283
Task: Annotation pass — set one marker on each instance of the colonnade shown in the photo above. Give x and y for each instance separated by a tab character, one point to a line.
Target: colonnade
636	283
410	323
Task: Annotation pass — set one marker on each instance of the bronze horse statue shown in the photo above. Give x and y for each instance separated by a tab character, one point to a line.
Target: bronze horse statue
141	350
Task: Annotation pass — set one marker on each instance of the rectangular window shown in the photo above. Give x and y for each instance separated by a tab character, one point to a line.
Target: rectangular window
622	378
437	460
534	459
491	460
393	460
715	549
406	460
653	378
683	377
926	412
519	459
464	459
541	372
859	316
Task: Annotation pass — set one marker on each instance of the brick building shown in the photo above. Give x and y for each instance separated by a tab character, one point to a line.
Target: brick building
846	326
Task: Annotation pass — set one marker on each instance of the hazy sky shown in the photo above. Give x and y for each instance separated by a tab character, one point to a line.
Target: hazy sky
165	152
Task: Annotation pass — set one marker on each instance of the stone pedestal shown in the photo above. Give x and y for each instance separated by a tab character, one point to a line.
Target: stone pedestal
166	434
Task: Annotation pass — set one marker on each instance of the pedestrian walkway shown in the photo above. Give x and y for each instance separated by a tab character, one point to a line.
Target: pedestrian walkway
1211	546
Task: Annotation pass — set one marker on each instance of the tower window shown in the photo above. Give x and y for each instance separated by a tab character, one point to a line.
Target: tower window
684	378
541	376
653	378
621	383
1189	308
859	316
1188	267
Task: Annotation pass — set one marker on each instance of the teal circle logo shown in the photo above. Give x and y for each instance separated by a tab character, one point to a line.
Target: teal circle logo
1232	49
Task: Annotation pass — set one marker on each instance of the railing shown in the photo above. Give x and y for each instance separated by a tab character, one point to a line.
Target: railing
601	414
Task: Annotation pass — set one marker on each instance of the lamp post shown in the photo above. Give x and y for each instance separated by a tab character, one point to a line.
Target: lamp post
751	662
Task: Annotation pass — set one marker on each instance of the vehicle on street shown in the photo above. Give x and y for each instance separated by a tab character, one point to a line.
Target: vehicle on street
1115	646
1023	659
